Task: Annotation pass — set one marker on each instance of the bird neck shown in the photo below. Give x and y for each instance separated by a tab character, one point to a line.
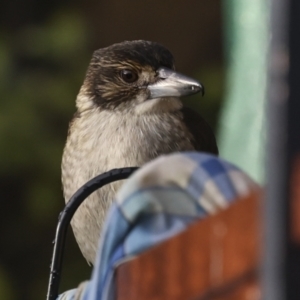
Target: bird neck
158	106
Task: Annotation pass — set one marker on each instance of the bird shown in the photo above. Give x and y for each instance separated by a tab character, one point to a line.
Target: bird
129	112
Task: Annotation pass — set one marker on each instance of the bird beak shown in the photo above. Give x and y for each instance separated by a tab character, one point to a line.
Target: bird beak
173	84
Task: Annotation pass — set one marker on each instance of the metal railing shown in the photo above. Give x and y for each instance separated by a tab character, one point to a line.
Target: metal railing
66	216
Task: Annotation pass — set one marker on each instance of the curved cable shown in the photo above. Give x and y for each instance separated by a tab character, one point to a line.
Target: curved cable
66	216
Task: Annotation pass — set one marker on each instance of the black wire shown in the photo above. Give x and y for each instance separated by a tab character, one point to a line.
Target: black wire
66	216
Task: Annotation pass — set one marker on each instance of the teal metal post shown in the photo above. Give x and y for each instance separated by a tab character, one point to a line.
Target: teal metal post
242	124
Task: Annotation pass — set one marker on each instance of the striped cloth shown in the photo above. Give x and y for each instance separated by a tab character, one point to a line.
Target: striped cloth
159	201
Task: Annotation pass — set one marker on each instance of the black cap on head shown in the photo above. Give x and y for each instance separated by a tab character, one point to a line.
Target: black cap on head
140	52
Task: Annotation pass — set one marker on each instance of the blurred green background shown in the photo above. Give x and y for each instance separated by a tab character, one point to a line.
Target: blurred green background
45	47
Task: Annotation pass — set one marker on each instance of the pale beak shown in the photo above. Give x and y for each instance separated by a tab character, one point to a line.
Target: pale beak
173	84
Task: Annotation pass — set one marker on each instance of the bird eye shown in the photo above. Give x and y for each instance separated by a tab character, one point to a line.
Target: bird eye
129	76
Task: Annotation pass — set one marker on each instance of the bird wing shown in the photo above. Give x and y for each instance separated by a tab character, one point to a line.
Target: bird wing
203	135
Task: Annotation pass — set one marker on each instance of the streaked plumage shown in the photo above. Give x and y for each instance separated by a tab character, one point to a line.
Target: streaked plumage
120	122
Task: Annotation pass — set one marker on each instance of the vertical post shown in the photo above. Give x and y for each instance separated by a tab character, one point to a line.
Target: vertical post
242	124
293	155
274	285
282	256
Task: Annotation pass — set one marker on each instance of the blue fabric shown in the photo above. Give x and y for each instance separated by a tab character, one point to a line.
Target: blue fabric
159	201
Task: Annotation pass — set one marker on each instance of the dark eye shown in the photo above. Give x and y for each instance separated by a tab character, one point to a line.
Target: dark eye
129	76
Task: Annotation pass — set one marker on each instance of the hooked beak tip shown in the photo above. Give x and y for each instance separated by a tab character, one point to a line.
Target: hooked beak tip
198	88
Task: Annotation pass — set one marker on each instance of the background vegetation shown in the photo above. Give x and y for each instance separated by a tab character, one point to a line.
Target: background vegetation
45	47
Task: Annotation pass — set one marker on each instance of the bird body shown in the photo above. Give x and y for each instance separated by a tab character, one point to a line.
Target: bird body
113	131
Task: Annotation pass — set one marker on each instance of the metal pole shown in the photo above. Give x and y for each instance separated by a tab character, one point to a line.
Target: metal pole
66	216
273	281
292	274
281	280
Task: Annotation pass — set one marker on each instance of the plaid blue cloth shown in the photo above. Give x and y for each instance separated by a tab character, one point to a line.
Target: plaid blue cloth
159	201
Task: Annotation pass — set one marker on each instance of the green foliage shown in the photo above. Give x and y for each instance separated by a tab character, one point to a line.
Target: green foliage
41	70
6	291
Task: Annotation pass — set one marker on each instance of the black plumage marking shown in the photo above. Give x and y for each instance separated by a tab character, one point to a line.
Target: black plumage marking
103	80
143	53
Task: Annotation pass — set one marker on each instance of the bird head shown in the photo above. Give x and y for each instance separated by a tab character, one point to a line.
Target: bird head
136	76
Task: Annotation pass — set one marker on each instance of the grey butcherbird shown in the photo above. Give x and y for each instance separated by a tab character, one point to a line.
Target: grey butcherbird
128	113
